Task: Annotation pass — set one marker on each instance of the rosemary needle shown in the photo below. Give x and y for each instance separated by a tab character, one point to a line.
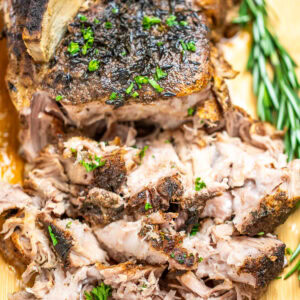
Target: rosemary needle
277	95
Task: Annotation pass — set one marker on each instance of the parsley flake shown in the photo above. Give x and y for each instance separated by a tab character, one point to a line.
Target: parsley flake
113	96
199	184
183	23
135	94
93	65
96	21
141	80
191	46
150	21
172	255
129	89
52	236
194	230
101	292
82	18
200	259
73	48
191	111
159	44
69	224
143	152
160	73
92	166
156	86
108	25
171	21
115	10
260	233
148	206
59	98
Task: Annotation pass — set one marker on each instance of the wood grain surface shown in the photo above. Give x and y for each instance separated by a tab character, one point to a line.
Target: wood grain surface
285	22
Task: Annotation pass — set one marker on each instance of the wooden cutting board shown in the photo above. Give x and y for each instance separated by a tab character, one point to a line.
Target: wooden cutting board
286	23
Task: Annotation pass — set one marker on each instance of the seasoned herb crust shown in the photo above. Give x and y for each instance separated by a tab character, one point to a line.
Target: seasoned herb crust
107	47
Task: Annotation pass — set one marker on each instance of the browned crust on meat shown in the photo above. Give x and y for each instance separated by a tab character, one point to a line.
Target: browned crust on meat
64	241
170	188
266	267
35	18
112	175
272	211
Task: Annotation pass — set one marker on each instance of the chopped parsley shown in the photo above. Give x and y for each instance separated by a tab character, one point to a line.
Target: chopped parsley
199	184
113	96
92	166
108	25
260	233
101	292
200	259
88	34
141	80
150	21
124	53
183	23
160	73
183	45
172	255
289	251
171	21
159	44
96	21
94	65
167	142
59	98
69	224
143	152
155	85
52	236
82	18
115	10
73	48
148	206
191	111
191	46
194	230
129	89
135	94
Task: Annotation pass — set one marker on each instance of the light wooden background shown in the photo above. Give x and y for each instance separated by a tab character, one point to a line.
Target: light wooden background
286	23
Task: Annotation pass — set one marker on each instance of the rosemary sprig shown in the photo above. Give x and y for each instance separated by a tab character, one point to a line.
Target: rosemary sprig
277	94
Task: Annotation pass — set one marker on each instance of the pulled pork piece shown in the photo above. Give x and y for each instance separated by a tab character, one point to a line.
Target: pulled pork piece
73	242
229	263
153	240
126	281
186	171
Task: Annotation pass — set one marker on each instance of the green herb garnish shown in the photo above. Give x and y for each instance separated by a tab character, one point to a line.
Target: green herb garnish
160	73
289	251
155	85
94	65
129	89
200	259
82	18
69	224
172	255
92	166
183	45
183	23
113	96
148	206
73	48
115	10
150	21
260	233
159	44
124	53
88	34
141	80
194	230
101	292
199	184
135	94
96	21
277	93
143	152
108	25
191	111
52	236
171	21
279	277
58	97
191	46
